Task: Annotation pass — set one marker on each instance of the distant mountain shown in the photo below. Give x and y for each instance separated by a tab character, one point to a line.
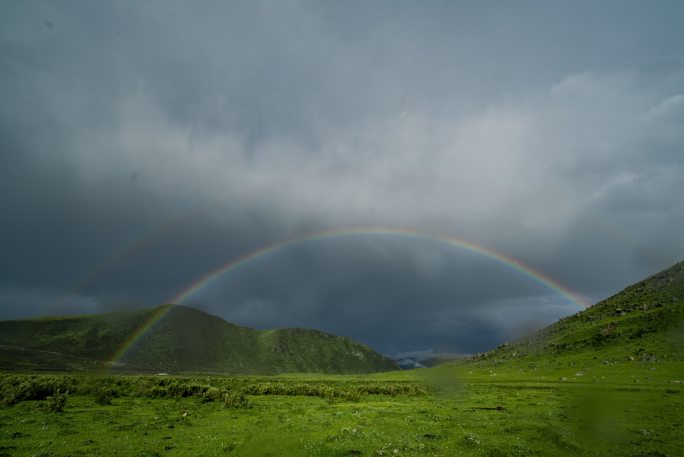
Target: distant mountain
643	323
179	339
425	359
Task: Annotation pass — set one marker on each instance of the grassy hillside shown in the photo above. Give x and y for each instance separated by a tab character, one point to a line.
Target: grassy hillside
183	340
642	323
294	349
65	343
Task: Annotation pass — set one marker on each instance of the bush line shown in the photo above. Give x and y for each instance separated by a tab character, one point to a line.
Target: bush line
19	387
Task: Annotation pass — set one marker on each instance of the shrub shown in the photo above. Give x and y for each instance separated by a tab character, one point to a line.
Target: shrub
351	395
103	396
9	398
157	392
236	400
56	403
212	394
16	388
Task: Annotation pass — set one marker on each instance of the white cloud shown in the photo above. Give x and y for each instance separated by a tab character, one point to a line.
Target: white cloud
537	160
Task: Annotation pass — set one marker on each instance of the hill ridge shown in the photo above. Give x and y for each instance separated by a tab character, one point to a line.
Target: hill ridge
180	339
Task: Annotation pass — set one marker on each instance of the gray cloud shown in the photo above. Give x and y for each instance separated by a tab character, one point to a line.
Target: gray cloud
143	145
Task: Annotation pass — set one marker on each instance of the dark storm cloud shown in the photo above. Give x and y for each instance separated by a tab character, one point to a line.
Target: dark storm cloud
143	145
391	292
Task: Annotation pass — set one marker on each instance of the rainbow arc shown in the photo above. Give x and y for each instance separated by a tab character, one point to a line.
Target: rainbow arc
252	256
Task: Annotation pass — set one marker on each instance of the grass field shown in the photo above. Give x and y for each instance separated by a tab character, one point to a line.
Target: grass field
632	409
608	381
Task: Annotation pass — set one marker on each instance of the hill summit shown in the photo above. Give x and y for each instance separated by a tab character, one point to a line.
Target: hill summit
175	338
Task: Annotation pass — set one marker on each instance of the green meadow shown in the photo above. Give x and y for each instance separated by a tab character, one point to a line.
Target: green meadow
608	381
632	409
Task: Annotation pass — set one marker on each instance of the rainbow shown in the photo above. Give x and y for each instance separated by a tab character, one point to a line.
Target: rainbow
155	316
204	281
460	244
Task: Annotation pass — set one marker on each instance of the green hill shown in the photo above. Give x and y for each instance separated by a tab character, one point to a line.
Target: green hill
184	339
643	323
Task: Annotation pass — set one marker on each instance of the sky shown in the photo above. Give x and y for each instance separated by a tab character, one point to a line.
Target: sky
143	145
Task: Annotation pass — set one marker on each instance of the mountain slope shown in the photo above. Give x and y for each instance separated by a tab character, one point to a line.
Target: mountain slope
642	323
184	339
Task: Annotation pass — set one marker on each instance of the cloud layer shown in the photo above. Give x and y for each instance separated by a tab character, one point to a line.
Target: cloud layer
144	145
